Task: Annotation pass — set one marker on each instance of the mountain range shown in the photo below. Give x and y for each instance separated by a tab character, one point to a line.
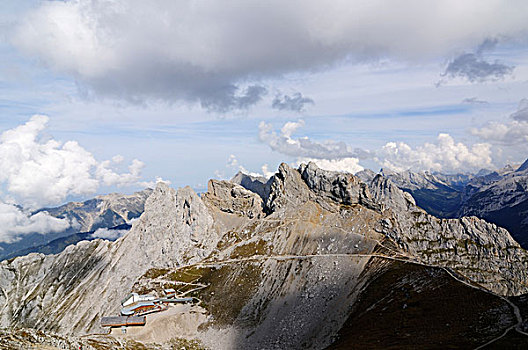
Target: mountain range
309	259
500	197
112	211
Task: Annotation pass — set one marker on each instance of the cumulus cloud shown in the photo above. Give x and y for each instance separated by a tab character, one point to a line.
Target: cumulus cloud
152	184
108	234
208	51
37	171
328	155
14	223
445	155
512	132
294	103
304	147
109	177
233	164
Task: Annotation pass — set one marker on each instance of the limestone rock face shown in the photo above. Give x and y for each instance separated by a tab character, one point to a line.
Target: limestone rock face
339	187
175	228
232	198
287	189
258	185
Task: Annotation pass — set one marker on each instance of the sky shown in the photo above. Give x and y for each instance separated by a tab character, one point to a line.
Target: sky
98	96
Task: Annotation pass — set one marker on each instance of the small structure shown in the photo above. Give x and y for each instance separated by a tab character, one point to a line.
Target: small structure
135	306
123	321
169	292
135	297
142	308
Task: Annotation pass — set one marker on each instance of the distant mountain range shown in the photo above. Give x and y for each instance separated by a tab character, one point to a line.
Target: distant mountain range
107	211
500	197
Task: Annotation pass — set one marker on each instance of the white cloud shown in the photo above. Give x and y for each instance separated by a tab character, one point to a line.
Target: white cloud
108	234
37	171
233	164
304	147
213	51
349	165
328	154
510	133
110	178
152	184
445	155
14	222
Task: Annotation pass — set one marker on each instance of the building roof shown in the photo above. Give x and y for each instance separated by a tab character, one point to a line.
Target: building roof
130	309
118	321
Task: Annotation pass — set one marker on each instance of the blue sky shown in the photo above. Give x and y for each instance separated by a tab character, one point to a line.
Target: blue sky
183	86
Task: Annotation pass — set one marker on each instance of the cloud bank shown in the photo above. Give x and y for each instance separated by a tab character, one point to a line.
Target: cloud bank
510	133
14	222
445	155
215	53
108	234
328	154
304	147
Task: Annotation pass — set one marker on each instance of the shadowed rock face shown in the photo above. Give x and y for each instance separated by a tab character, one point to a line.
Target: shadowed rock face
283	268
400	309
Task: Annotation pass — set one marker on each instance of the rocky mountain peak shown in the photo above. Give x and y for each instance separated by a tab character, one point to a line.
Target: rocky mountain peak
523	167
232	198
384	191
258	185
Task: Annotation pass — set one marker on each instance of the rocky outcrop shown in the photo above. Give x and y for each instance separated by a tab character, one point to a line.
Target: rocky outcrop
232	198
500	196
258	185
342	188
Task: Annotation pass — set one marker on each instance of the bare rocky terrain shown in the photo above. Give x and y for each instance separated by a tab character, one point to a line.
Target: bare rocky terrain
310	259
